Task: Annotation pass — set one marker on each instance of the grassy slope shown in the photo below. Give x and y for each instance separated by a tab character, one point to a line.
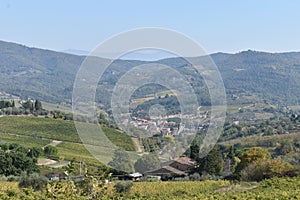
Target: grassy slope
262	141
26	141
59	130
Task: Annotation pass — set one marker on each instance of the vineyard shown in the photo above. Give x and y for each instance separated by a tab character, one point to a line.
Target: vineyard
276	188
38	132
58	129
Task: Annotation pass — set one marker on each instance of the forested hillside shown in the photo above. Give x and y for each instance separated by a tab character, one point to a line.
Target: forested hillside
49	75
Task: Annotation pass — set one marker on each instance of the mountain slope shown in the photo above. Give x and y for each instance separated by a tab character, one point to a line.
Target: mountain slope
274	77
49	75
42	74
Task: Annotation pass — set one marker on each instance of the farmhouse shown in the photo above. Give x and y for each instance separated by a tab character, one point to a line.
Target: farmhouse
179	167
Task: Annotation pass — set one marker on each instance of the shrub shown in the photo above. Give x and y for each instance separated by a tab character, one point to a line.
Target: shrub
268	169
12	178
35	181
50	150
123	186
195	177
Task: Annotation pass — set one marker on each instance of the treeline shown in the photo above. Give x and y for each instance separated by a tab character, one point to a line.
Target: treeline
27	107
272	126
35	107
15	158
7	104
252	164
169	102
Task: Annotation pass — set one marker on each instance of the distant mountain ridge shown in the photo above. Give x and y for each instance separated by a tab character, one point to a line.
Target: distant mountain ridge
49	75
76	52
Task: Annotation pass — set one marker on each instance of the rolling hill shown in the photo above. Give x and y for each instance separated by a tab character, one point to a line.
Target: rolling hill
49	75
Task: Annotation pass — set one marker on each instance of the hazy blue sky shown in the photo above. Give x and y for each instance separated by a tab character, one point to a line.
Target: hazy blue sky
227	26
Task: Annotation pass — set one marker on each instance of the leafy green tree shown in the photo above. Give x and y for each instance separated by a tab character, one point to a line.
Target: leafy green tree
267	169
35	152
212	163
103	117
28	105
194	151
13	104
38	105
50	150
232	157
146	163
285	147
15	161
5	104
123	187
255	155
268	130
121	161
4	147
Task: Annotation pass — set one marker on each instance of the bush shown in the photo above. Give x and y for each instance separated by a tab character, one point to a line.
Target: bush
195	177
146	163
50	151
123	186
181	179
265	170
35	181
12	178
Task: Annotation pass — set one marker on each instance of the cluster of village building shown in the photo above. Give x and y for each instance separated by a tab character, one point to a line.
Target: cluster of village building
163	125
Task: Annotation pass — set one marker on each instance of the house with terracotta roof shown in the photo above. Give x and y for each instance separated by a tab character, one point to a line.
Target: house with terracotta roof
179	167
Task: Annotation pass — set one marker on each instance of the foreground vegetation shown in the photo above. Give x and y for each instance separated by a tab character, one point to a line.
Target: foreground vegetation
276	188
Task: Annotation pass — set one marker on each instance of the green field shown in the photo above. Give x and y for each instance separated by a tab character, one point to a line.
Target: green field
36	131
68	151
58	129
26	141
52	107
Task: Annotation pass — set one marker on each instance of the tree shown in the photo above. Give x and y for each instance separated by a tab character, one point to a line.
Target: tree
50	150
38	105
103	118
5	104
121	161
35	152
146	163
268	130
13	104
284	148
255	155
212	163
194	151
28	105
15	160
267	169
232	157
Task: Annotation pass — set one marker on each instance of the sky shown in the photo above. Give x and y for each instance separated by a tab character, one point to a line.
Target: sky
218	26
